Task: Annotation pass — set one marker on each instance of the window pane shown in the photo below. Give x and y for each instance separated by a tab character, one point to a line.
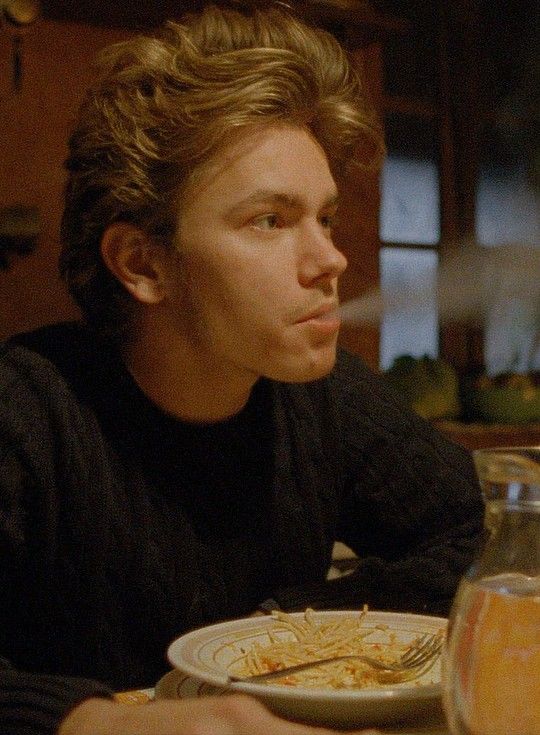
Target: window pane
507	203
512	323
409	324
410	183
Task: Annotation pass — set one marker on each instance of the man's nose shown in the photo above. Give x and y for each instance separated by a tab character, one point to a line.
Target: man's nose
320	259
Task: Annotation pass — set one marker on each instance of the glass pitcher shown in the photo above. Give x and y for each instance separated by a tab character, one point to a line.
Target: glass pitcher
491	680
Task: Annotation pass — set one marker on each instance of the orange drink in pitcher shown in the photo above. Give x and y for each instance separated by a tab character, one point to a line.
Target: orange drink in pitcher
494	658
491	666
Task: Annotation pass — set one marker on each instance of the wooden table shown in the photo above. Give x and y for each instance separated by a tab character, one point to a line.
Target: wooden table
485	436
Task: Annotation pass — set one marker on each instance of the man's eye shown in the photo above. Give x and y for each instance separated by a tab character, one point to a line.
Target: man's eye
327	221
268	222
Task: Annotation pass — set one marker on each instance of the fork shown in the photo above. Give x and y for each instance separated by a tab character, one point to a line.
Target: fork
415	658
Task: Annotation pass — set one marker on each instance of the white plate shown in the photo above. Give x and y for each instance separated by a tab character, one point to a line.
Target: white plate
204	656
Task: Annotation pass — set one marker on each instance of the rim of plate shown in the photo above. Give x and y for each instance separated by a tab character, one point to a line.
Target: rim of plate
216	679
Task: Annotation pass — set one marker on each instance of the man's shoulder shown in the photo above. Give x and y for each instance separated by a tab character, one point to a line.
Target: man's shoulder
353	394
51	340
350	373
40	360
44	389
350	386
350	366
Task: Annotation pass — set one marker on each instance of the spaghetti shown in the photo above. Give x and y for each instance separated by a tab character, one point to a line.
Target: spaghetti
294	641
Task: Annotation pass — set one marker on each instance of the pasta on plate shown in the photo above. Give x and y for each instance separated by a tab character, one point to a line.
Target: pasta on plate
294	641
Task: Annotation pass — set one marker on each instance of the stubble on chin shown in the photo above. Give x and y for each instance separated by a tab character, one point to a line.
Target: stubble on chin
315	367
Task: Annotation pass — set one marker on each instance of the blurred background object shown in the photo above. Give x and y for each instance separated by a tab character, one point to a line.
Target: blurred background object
17	16
496	290
19	230
428	385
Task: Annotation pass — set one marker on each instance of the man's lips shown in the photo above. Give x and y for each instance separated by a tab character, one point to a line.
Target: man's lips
327	312
324	321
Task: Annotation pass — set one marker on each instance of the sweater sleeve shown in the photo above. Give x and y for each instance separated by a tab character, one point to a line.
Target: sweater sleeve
30	703
36	704
411	506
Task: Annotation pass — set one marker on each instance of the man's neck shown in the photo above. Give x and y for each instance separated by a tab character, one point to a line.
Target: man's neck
184	384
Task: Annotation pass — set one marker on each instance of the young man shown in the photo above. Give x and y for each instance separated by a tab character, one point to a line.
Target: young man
193	449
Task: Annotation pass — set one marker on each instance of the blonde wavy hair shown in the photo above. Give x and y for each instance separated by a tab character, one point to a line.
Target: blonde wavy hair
163	105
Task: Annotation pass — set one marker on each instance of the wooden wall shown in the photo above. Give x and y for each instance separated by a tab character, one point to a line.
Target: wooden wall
35	123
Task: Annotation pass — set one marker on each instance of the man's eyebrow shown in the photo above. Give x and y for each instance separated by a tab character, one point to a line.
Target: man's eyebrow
277	197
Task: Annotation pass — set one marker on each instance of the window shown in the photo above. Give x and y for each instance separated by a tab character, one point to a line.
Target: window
409	325
461	118
410	222
506	199
410	233
410	183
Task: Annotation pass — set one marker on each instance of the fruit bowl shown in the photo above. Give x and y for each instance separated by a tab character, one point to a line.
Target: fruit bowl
505	399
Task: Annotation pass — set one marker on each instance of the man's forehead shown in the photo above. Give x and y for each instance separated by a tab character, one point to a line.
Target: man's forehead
272	163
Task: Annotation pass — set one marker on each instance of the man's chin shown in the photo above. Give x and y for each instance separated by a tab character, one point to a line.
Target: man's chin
312	368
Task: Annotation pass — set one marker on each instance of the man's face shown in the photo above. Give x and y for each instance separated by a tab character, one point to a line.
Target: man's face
256	288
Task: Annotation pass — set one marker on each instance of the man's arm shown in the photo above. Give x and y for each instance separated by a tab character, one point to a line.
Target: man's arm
410	505
37	703
425	522
236	714
52	705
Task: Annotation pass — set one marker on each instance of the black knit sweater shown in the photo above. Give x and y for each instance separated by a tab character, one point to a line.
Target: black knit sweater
122	527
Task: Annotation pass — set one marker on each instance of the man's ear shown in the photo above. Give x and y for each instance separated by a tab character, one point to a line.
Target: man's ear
131	256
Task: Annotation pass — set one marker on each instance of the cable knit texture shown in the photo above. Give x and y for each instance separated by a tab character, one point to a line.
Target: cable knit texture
122	527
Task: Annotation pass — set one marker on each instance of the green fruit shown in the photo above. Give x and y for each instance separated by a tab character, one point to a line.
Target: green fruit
506	404
428	385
